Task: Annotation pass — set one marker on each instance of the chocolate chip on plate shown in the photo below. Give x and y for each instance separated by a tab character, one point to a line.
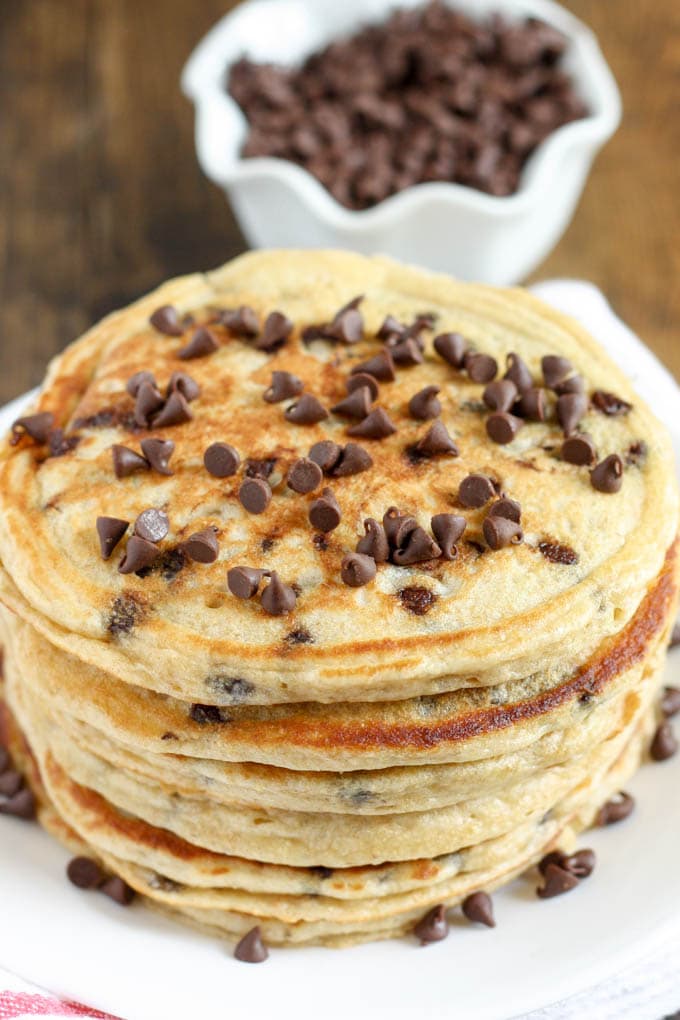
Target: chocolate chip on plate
166	320
175	412
607	476
615	810
376	425
152	525
670	701
21	805
202	343
324	512
570	409
255	495
481	368
139	553
308	410
452	347
478	907
374	543
251	948
126	461
501	532
244	582
381	367
675	635
110	531
221	460
352	461
579	449
84	873
304	476
283	386
278	598
356	404
158	452
433	927
202	546
11	782
664	745
556	882
425	404
448	529
118	890
502	427
500	395
357	569
475	490
276	330
37	426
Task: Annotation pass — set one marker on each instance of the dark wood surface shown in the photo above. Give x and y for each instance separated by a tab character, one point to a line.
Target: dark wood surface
101	197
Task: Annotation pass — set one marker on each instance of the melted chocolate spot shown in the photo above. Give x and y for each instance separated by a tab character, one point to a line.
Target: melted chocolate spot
123	616
169	736
320	542
417	600
558	553
300	636
259	468
235	688
267	544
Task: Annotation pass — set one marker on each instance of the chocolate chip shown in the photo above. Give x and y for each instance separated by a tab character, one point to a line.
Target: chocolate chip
451	347
381	367
348	323
147	402
84	873
475	490
518	373
241	321
433	927
479	907
532	404
255	495
637	453
21	805
675	635
205	714
506	507
500	395
570	409
424	404
356	405
10	783
110	531
139	553
607	476
500	532
615	810
306	411
398	526
574	384
417	600
244	582
276	330
324	513
60	444
284	385
304	476
137	380
481	368
202	546
418	547
353	460
118	890
377	425
152	525
221	460
202	343
158	452
579	449
557	882
555	369
4	759
357	569
609	403
664	745
187	386
502	427
374	543
254	468
448	529
124	613
326	454
407	353
277	598
670	701
175	412
435	441
37	426
126	462
251	948
166	320
355	382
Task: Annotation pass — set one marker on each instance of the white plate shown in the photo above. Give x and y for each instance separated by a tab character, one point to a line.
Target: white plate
138	966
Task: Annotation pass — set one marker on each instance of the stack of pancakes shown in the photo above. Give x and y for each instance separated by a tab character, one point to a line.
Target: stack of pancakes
332	772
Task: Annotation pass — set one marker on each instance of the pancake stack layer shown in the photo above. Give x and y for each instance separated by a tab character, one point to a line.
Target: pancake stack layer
257	708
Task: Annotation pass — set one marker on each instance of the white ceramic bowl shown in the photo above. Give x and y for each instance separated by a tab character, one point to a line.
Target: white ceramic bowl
442	226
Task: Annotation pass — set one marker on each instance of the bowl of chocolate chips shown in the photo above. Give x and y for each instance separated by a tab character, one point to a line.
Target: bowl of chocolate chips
457	135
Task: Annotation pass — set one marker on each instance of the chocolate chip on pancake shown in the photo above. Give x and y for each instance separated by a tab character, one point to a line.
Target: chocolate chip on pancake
11	782
557	882
324	512
126	461
355	382
425	404
202	343
374	543
20	805
251	948
37	426
478	907
607	476
139	553
352	461
615	810
376	425
148	401
202	546
255	495
356	405
278	598
398	526
84	873
579	449
357	569
152	525
110	531
581	863
407	353
308	410
610	404
276	330
573	384
481	368
187	386
242	321
418	547
244	582
436	441
326	454
518	373
304	476
283	386
664	744
500	395
555	369
452	347
158	452
531	404
221	460
348	323
506	507
59	443
175	412
448	529
570	409
118	891
381	367
138	379
502	427
4	759
433	927
670	700
501	532
166	320
475	490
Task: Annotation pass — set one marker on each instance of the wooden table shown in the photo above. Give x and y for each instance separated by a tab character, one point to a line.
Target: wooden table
101	197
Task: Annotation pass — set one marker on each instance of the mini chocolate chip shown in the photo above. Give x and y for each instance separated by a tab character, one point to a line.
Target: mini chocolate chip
578	449
451	347
251	948
21	805
324	513
244	582
501	532
37	426
202	546
670	701
326	454
138	379
557	882
84	873
11	782
241	321
356	405
479	907
664	745
518	373
418	548
417	600
574	384
205	714
277	599
500	395
147	402
152	525
381	367
304	476
306	411
502	427
424	404
139	553
276	330
118	890
255	495
158	452
609	403
377	425
570	409
555	369
435	441
481	368
353	460
433	927
187	386
475	490
506	507
166	320
110	531
448	529
284	385
175	412
374	543
126	462
221	460
407	353
558	553
531	404
357	569
355	382
607	476
202	343
615	810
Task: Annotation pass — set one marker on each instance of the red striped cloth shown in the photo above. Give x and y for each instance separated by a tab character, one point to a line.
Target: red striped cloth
20	1004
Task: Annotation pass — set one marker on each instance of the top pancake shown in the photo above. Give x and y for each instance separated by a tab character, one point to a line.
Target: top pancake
488	614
